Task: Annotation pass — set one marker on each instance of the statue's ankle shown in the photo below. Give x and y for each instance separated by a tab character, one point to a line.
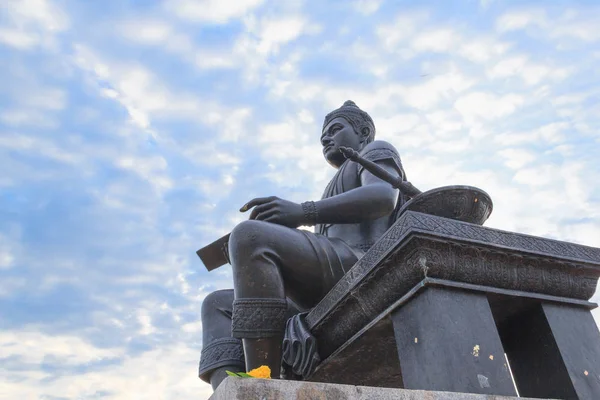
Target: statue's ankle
260	323
219	374
264	352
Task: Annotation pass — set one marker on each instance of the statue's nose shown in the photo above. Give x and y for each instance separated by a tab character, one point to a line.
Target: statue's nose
326	141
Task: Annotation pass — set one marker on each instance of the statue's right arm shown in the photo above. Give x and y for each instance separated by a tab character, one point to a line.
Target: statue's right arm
373	199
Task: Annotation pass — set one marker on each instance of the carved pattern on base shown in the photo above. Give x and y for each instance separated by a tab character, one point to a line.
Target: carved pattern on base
258	318
220	353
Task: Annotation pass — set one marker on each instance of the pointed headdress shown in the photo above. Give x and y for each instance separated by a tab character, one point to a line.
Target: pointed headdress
358	118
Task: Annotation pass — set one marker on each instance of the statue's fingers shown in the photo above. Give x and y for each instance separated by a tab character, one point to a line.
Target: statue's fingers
255	202
265	215
260	209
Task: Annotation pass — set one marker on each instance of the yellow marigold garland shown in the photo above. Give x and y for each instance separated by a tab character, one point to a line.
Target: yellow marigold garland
262	372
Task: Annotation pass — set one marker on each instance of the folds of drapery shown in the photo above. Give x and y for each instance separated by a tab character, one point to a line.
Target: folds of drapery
300	356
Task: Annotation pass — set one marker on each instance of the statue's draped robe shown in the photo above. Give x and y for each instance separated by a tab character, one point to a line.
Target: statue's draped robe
337	255
300	355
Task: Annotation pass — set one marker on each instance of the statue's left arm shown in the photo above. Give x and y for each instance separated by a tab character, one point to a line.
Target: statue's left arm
373	199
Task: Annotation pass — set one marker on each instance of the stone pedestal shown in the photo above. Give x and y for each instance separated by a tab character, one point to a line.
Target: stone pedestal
447	340
554	350
270	389
436	303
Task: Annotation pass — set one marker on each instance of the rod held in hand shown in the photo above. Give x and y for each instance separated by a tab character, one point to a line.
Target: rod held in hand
405	187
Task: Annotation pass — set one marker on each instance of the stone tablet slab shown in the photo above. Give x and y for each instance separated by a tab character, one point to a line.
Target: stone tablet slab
272	389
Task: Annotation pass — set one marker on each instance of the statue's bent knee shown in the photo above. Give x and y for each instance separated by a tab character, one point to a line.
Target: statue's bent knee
247	236
219	349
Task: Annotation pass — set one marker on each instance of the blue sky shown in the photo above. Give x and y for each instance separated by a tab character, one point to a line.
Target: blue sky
132	131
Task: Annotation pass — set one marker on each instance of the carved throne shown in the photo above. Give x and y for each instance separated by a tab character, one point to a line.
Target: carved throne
443	304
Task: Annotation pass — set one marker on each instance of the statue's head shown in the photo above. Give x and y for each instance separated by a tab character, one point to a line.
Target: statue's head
347	126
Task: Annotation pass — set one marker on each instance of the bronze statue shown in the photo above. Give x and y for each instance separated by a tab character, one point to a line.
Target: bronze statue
278	270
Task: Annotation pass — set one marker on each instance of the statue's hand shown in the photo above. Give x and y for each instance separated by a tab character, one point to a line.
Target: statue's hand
275	210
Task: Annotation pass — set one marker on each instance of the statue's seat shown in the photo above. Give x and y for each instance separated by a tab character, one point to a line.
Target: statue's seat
358	324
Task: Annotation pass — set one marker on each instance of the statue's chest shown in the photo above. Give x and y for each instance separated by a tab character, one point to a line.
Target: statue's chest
344	180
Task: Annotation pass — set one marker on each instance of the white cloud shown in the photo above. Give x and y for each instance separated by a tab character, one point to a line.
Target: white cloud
481	50
413	33
428	94
579	25
435	40
150	169
160	33
41	147
8	250
20	117
31	347
32	23
457	146
539	175
445	122
581	30
306	117
211	11
550	133
367	7
293	155
6	260
208	154
516	158
18	38
265	36
166	373
145	96
400	123
263	39
217	188
207	59
586	233
45	98
531	73
39	12
386	96
570	99
275	32
487	106
192	327
146	31
516	20
404	26
145	322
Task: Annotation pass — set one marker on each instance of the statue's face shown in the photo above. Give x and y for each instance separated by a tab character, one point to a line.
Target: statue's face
339	133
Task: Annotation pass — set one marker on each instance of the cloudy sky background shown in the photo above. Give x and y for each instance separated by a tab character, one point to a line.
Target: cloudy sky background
132	131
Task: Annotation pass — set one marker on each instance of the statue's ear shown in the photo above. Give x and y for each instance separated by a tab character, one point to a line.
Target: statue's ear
364	133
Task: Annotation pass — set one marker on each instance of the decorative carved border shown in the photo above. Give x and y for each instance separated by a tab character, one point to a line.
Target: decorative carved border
447	249
219	353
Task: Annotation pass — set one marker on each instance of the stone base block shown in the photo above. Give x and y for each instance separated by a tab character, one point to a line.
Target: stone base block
272	389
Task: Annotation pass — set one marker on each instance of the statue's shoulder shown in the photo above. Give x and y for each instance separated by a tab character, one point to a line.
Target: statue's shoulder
379	146
380	150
